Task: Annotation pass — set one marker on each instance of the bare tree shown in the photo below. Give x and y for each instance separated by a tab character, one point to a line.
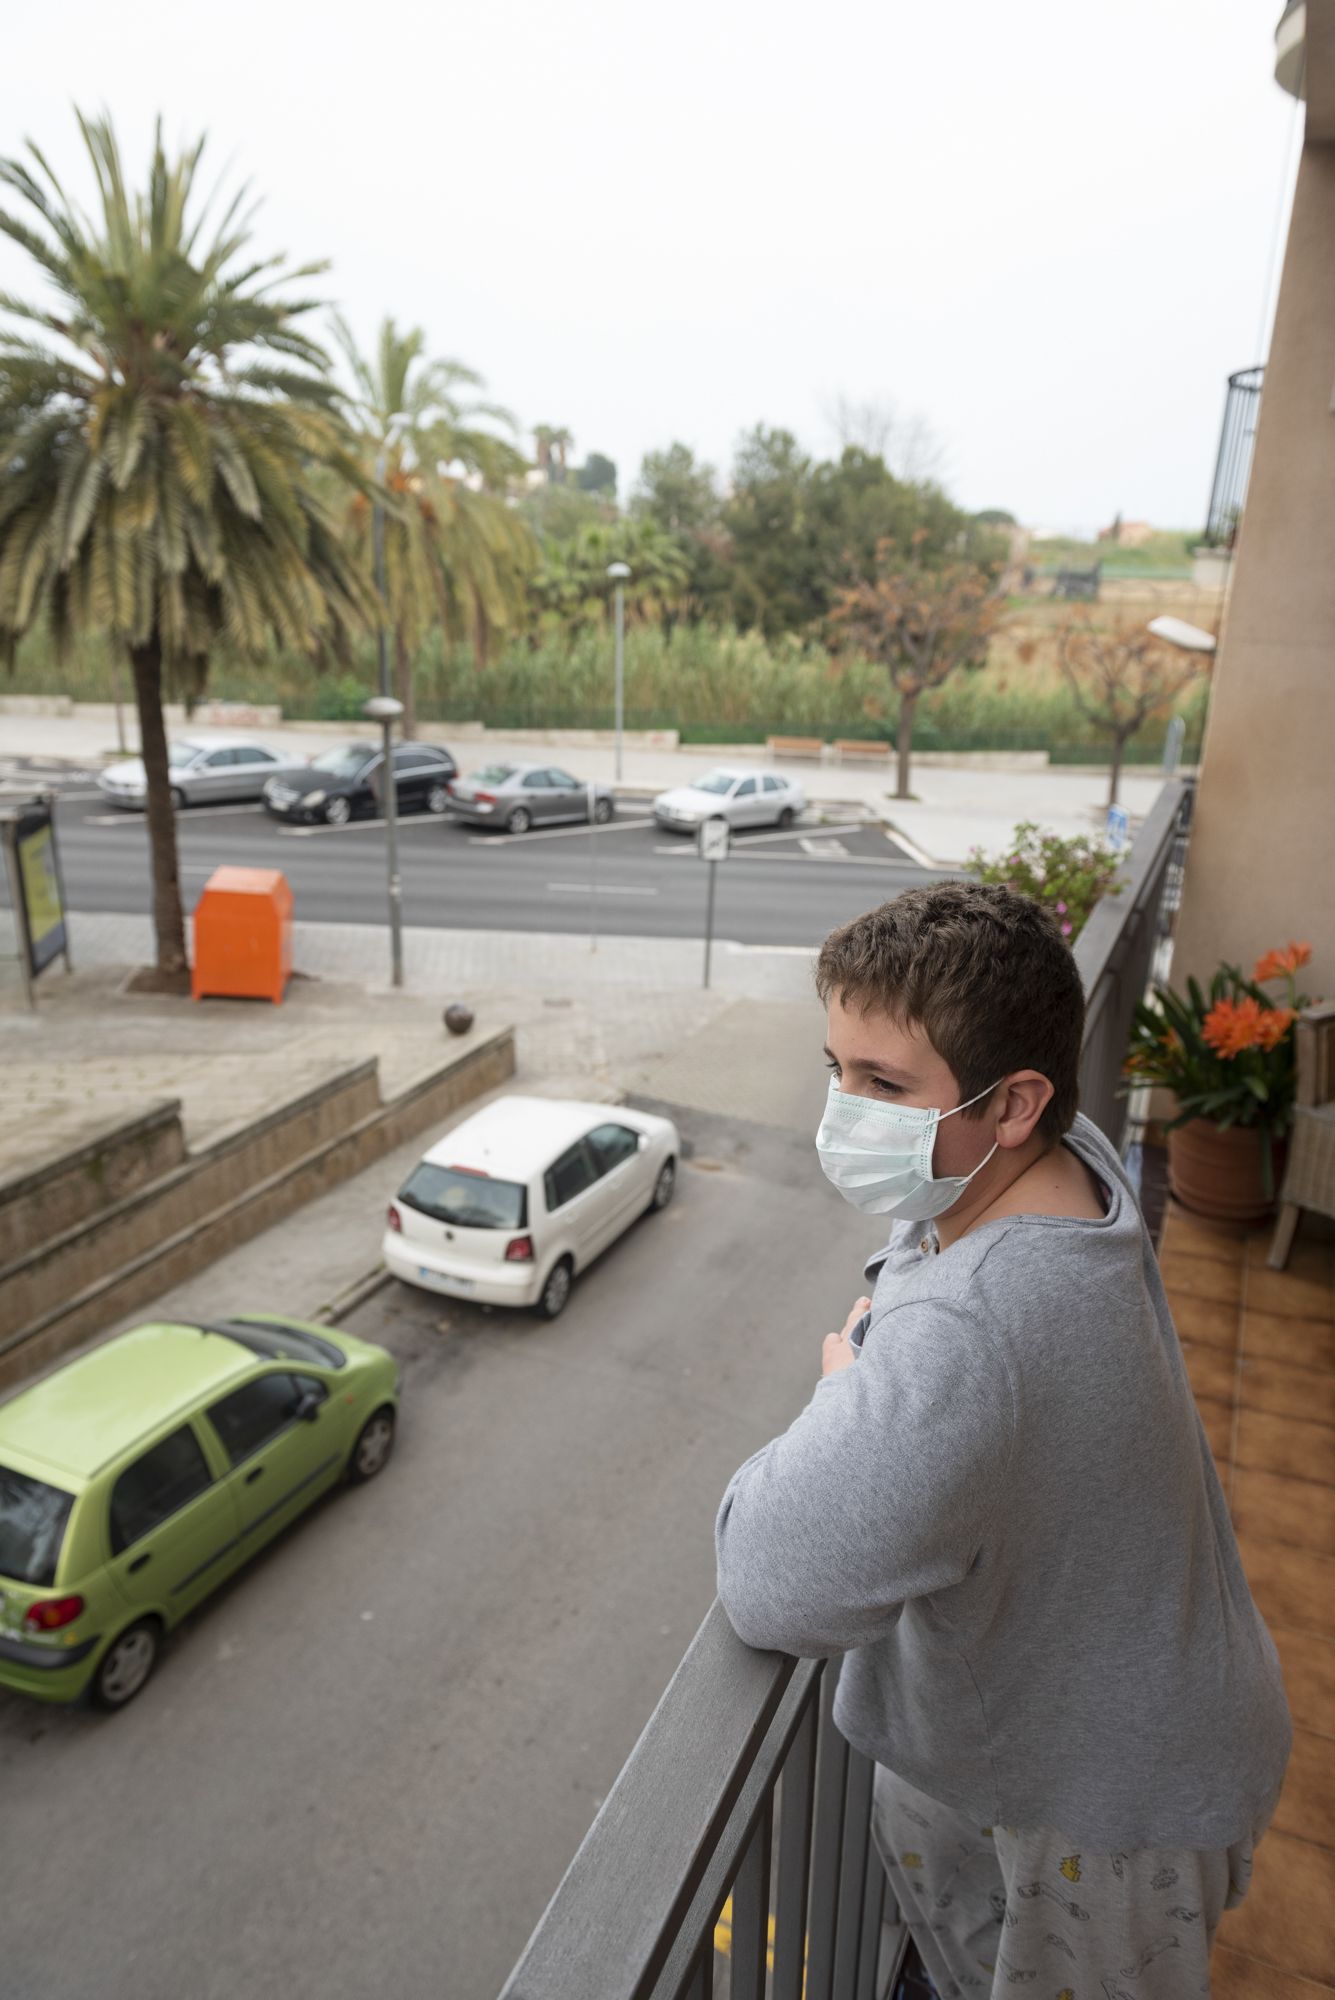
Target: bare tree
909	446
1121	676
921	624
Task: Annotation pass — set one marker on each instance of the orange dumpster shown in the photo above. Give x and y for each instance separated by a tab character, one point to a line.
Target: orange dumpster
243	935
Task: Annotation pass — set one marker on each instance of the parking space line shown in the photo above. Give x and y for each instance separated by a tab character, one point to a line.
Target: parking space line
405	824
628	825
135	816
597	889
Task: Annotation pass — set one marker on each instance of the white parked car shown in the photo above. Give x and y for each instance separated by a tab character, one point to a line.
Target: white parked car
510	1205
204	770
742	798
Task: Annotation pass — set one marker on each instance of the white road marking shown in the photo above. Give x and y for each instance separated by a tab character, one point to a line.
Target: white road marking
744	840
914	852
819	850
403	822
498	840
596	888
135	816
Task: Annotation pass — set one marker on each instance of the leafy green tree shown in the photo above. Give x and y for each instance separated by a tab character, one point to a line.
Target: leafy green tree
776	581
597	475
169	446
455	553
571	589
680	495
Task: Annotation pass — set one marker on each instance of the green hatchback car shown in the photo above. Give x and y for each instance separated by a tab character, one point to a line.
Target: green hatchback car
135	1479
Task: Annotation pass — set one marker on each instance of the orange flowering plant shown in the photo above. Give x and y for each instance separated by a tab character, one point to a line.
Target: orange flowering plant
1226	1054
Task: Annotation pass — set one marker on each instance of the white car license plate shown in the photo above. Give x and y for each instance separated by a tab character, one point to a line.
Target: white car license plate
446	1278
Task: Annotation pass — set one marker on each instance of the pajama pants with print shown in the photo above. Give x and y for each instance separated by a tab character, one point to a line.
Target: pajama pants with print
1023	1913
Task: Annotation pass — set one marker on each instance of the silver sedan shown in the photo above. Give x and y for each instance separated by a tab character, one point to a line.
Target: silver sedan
520	796
741	797
203	770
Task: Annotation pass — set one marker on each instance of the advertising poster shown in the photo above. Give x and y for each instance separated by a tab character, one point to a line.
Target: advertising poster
44	918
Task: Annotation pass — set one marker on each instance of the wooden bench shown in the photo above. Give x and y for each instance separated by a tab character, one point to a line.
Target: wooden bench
795	746
855	747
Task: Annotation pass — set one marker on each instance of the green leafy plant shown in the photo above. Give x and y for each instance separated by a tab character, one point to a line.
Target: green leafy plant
1067	876
1227	1051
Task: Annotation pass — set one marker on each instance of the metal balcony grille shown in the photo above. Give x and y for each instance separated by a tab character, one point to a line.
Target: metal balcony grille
1233	466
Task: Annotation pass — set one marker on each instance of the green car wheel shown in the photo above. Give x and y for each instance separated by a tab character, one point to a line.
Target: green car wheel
127	1665
375	1442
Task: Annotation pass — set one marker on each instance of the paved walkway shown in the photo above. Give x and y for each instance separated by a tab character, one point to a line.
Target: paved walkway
621	1018
955	808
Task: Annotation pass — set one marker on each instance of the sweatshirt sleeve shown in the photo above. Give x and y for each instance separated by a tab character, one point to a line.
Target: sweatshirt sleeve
881	1490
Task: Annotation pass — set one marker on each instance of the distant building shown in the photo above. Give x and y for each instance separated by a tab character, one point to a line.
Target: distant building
1126	534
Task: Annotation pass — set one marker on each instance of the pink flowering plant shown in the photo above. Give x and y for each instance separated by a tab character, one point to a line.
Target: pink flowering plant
1067	876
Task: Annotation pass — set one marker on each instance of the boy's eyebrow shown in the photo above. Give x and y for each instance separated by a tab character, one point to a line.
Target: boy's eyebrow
881	1069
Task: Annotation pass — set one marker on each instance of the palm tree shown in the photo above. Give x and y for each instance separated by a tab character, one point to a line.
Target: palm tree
454	551
160	451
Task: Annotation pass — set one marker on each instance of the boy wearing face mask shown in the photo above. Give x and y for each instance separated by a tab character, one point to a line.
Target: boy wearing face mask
1000	1503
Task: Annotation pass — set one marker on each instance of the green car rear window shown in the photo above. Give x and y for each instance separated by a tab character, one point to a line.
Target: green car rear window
32	1528
280	1342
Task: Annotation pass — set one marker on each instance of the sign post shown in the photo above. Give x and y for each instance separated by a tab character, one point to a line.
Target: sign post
37	892
712	842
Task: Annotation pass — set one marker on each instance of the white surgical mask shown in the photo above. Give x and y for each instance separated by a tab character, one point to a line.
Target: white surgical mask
879	1156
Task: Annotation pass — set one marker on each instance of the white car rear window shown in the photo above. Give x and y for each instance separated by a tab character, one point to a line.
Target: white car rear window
469	1200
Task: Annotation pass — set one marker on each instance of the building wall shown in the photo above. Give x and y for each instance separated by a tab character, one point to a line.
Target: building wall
1261	866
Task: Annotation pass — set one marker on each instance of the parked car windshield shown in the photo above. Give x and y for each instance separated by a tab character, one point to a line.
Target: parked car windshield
32	1527
493	774
473	1201
182	753
717	781
345	762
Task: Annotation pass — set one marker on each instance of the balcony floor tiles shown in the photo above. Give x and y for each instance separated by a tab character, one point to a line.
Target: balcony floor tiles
1260	1353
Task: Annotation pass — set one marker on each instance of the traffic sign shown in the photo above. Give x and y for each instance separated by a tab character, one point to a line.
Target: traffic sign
713	839
1119	825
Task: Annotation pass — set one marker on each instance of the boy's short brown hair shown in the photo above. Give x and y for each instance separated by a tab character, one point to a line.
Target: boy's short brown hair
987	976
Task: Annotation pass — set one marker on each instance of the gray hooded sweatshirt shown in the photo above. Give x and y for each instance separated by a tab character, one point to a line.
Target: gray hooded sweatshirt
1007	1515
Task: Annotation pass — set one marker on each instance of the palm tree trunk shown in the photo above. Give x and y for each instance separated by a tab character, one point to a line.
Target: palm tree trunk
904	742
173	967
404	679
481	638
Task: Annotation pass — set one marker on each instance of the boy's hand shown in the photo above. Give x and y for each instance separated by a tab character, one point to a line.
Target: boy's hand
836	1351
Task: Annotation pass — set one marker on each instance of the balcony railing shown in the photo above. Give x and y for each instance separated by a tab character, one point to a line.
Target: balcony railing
740	1786
1233	466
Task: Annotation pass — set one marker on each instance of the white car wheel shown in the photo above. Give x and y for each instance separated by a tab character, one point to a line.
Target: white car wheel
556	1291
338	812
437	799
520	819
664	1187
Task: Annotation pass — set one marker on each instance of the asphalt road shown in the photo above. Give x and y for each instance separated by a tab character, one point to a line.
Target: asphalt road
367	1762
777	889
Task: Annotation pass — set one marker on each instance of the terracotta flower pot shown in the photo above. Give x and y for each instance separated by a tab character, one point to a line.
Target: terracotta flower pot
1217	1173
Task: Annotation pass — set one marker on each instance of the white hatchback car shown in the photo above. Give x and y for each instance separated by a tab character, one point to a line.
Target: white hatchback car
742	798
512	1203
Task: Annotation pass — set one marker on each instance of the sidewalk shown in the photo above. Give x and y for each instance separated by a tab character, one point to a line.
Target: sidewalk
955	808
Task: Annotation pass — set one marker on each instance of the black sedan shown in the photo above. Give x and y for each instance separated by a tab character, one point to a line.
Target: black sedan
346	782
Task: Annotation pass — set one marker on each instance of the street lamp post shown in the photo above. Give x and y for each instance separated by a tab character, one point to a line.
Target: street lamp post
619	571
385	710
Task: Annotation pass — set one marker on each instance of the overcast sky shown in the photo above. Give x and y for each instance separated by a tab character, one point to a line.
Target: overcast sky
1047	228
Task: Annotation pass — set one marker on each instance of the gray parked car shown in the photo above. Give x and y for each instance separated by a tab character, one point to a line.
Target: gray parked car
519	796
204	770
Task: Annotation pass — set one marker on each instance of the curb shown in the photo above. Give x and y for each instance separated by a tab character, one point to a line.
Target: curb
353	1295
